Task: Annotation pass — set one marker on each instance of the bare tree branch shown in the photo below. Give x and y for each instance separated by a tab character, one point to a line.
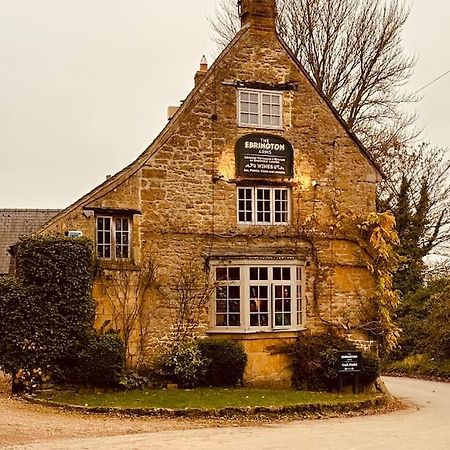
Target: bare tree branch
353	51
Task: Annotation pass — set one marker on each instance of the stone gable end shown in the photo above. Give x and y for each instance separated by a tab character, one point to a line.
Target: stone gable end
181	199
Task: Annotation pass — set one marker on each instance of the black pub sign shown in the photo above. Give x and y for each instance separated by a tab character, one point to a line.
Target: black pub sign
264	155
349	362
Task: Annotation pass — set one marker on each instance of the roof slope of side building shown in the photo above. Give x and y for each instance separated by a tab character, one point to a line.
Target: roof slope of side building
15	223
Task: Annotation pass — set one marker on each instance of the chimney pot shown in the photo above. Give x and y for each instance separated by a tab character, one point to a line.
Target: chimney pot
203	64
200	74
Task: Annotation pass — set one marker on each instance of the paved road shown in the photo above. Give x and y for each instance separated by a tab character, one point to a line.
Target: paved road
425	426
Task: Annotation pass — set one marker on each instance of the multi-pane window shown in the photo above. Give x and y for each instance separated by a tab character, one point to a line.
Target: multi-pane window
263	205
260	109
257	296
113	237
228	297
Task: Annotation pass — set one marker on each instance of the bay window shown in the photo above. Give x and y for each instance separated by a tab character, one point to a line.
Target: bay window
258	296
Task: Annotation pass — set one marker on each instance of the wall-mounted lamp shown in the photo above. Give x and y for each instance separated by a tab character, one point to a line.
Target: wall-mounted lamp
314	183
217	177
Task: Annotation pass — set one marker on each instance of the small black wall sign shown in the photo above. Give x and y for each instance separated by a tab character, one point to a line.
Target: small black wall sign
349	362
264	155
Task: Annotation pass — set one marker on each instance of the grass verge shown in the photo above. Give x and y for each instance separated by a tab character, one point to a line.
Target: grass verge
419	365
201	398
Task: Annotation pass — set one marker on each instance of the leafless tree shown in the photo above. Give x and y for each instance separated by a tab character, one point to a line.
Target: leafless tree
191	294
131	291
417	190
352	49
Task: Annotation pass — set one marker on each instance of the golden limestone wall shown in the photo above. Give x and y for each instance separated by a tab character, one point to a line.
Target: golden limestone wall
186	193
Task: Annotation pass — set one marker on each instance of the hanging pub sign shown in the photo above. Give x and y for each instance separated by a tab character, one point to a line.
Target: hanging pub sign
264	155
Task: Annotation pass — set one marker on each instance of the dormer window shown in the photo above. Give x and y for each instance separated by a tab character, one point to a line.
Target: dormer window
113	235
260	109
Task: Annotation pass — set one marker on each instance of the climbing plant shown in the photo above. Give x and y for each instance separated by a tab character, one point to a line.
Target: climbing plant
379	233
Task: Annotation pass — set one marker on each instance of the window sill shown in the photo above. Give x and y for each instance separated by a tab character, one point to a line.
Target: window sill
257	334
117	265
260	127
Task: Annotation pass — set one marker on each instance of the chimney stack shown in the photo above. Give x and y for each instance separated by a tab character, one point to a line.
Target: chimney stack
259	14
202	71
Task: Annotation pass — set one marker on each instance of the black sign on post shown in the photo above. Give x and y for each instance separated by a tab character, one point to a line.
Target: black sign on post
264	155
349	362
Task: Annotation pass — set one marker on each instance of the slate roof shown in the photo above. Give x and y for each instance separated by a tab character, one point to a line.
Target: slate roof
19	222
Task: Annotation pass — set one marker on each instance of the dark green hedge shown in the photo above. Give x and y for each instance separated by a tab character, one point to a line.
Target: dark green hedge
316	362
47	313
225	361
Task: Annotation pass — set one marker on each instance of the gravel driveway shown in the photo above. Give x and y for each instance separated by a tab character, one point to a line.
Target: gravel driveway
22	423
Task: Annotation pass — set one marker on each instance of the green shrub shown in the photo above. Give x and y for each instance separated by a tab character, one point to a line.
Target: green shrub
132	380
225	361
101	360
437	323
180	363
47	315
316	362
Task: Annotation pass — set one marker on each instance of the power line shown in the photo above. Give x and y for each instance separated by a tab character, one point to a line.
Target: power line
432	82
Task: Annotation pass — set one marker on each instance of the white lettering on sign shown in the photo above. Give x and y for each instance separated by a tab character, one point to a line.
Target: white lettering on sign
264	145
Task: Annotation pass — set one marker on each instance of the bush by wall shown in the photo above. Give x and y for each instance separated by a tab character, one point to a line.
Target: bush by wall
181	363
225	361
47	314
316	362
100	361
203	362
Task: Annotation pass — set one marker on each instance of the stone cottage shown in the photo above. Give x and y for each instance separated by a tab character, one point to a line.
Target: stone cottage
246	184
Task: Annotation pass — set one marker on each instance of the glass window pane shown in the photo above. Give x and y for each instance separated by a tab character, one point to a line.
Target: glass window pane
235	306
221	273
253	119
254	97
234	273
278	290
221	292
234	292
221	306
245	118
234	320
221	320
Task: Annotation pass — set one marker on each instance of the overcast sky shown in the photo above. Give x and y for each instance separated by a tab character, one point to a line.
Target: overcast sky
85	85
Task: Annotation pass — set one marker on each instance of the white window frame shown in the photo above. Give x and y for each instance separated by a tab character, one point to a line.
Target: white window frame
255	220
113	243
297	295
260	112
